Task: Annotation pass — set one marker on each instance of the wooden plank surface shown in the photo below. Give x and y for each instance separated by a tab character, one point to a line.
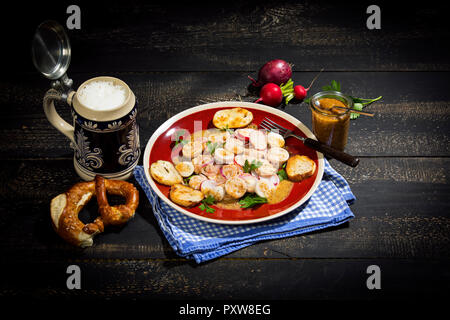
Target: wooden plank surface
411	223
228	279
241	35
175	56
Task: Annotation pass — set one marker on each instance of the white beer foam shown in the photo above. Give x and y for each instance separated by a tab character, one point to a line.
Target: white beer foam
102	95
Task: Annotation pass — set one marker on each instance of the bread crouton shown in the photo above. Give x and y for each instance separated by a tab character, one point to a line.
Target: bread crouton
165	173
232	118
185	196
300	167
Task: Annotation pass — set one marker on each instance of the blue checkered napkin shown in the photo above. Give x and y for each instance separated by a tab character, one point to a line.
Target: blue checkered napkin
202	241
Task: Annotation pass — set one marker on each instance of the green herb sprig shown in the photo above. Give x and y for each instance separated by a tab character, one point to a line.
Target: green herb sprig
212	146
288	91
335	86
177	138
206	202
251	166
282	173
359	104
251	200
186	179
230	131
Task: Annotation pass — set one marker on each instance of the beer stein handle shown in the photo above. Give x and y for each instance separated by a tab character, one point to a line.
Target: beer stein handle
52	116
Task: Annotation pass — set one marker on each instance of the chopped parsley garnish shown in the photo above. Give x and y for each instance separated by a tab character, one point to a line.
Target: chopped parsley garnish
230	131
206	202
177	138
282	175
251	200
212	146
186	180
251	166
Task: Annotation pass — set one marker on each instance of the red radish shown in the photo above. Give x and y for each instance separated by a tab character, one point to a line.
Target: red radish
275	71
270	95
300	92
206	163
210	170
274	179
201	183
221	172
243	134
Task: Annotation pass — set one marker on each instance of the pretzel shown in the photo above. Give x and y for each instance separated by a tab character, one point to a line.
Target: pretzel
64	209
120	214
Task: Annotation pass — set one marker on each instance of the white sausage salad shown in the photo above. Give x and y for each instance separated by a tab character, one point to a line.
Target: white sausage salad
230	167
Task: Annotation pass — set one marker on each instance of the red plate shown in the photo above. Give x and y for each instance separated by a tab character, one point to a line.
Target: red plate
159	147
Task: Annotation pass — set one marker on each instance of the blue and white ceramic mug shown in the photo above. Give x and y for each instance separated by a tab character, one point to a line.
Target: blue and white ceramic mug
105	142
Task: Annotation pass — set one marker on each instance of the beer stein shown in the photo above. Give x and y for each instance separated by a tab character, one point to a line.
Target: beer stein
104	133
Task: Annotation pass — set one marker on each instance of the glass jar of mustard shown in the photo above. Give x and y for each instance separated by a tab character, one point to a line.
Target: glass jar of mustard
329	122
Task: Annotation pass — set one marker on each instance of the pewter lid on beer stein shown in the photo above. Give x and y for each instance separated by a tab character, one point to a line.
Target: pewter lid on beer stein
51	53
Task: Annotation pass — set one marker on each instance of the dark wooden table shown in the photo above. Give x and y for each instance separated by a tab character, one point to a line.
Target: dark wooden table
178	56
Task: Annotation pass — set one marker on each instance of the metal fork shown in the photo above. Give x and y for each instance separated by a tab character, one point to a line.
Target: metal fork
270	125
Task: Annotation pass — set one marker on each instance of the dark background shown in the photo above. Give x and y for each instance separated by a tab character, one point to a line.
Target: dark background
175	56
236	35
